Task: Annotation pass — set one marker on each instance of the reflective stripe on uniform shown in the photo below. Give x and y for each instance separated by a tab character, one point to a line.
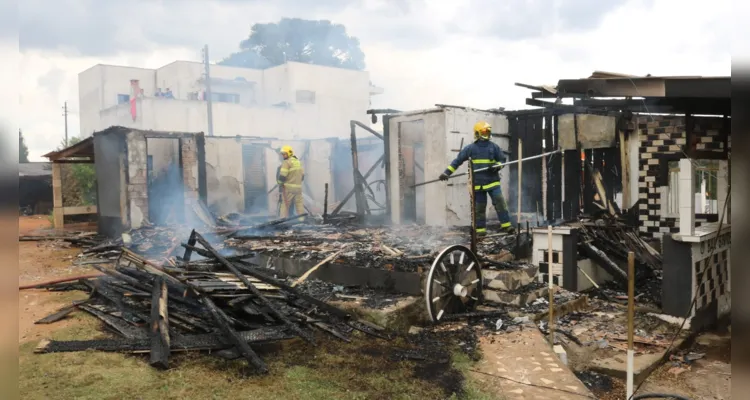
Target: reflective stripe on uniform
487	186
485	161
481	230
451	169
291	185
505	225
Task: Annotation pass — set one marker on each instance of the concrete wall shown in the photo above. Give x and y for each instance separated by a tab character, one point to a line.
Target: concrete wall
340	96
137	197
98	89
229	119
443	130
224	175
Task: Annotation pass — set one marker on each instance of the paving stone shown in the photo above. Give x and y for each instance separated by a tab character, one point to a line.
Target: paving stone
516	357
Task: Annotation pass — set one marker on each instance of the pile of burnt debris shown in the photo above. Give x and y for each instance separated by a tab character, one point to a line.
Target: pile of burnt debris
203	300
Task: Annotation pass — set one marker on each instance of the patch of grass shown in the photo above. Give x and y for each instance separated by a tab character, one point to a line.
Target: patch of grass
362	369
473	390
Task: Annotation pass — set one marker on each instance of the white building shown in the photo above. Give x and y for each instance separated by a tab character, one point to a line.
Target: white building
293	100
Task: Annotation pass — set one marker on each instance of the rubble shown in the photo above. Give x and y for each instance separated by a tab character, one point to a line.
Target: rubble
161	307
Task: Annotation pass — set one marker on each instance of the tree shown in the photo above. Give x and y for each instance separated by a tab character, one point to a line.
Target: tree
23	151
79	180
301	40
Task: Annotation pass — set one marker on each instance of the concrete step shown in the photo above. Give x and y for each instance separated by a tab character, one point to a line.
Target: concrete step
509	279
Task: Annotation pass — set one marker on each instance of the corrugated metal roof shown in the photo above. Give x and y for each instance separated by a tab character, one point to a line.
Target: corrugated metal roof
34	169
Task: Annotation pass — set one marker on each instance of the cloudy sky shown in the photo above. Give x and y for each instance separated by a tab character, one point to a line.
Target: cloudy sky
465	52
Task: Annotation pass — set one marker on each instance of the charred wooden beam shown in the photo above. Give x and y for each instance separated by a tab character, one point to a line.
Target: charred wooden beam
233	337
209	341
262	299
603	261
117	324
61	313
159	325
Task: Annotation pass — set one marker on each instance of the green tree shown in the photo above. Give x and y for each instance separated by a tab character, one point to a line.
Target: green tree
294	39
23	151
79	180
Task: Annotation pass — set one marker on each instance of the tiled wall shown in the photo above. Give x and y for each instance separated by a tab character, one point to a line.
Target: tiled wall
661	140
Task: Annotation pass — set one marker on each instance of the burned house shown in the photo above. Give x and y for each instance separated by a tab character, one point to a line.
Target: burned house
657	148
167	177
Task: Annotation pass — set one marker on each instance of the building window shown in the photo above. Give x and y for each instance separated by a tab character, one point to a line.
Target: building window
306	96
225	97
123	98
705	185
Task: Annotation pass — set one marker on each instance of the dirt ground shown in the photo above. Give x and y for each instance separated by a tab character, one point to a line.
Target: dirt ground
40	261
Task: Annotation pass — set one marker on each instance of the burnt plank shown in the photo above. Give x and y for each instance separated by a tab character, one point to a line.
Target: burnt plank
159	325
117	324
233	337
262	299
210	341
61	313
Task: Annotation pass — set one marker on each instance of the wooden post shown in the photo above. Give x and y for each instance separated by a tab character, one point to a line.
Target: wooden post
544	190
57	197
631	316
520	168
624	172
159	357
551	287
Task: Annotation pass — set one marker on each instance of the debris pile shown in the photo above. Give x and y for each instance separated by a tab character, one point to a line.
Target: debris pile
216	302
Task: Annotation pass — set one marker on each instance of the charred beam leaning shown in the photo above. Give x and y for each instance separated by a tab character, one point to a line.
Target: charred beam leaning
276	313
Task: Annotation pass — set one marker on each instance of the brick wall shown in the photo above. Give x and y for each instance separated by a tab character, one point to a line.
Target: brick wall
661	140
137	196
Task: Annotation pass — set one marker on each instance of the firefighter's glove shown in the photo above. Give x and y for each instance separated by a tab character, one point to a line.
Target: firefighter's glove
443	177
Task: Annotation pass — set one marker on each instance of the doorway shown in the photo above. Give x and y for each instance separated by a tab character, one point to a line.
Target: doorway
166	197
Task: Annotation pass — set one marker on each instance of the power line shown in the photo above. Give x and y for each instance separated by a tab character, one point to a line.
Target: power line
534	385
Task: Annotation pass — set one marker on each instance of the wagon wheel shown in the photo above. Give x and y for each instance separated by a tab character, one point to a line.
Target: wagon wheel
454	283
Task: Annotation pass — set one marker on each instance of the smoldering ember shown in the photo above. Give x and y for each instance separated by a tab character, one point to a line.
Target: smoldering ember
598	267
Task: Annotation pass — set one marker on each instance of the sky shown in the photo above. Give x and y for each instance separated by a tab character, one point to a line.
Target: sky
461	52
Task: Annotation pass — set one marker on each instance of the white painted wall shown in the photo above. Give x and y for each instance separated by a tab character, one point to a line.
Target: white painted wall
341	95
99	86
225	180
443	129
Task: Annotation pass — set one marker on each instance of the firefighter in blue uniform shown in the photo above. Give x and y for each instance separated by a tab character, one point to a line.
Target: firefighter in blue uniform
483	154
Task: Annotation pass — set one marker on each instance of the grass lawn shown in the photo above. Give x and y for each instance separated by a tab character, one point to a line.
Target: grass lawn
363	369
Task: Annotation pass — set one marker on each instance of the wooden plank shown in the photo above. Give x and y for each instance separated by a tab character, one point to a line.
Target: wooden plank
210	341
263	300
79	210
159	325
234	338
118	324
57	200
625	169
61	313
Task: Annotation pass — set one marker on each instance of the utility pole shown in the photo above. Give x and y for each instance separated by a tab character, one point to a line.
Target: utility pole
65	114
209	100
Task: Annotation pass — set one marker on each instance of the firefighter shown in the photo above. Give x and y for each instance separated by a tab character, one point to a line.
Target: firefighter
290	177
483	154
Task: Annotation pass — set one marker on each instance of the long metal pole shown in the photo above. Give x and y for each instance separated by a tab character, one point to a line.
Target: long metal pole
487	168
631	316
209	97
65	114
